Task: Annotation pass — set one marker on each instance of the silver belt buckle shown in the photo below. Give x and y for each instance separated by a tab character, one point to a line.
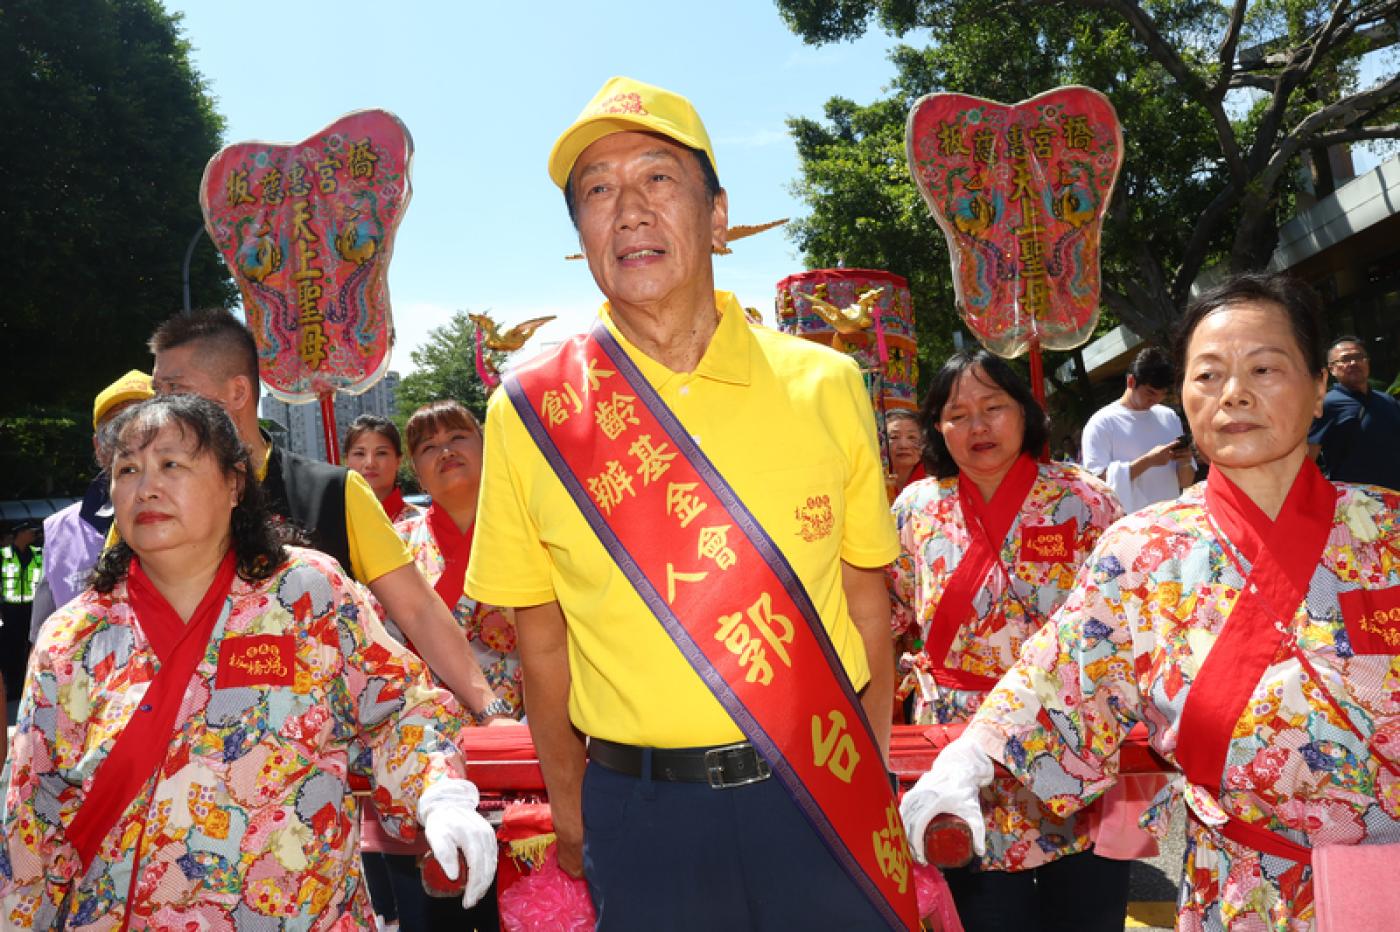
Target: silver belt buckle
714	766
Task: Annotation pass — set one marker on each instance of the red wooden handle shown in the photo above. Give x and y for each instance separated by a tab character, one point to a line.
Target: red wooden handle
948	842
435	882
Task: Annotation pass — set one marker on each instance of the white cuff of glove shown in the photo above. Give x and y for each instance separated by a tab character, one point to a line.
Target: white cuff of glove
447	811
951	785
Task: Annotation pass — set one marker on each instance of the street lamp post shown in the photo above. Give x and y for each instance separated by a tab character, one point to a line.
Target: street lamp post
185	269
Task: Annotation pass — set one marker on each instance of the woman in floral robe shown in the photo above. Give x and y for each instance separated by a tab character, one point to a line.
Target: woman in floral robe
1252	625
445	446
374	449
989	549
183	740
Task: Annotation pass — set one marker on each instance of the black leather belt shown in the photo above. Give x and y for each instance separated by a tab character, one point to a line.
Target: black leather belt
721	767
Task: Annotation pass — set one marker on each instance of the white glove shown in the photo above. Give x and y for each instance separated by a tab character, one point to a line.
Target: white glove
447	812
951	785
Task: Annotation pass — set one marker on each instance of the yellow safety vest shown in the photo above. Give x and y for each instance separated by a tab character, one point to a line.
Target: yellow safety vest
17	579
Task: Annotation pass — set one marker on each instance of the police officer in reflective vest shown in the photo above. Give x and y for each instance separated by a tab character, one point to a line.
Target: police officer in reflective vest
21	565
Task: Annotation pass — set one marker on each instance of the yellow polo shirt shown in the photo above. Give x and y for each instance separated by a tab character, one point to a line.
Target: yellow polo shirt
375	547
790	426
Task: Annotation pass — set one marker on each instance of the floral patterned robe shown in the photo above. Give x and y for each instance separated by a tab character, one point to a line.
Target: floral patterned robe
490	630
934	537
249	824
1126	647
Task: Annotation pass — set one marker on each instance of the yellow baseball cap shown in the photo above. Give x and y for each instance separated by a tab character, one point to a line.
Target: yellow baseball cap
134	386
625	105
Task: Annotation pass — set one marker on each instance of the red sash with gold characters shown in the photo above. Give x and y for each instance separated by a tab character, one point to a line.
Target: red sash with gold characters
988	523
725	594
1258	630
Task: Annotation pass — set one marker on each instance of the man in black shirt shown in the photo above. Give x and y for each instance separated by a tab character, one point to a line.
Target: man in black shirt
1358	434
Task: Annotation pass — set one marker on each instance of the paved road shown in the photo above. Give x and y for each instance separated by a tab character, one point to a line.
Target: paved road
1152	884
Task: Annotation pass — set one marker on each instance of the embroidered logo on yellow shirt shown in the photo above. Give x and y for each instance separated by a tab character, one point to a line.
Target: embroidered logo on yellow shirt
814	518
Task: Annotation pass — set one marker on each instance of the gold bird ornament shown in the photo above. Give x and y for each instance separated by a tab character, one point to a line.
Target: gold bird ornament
512	339
850	319
847	320
730	236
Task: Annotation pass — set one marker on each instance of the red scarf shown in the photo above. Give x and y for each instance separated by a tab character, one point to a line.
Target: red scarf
1256	632
394	504
987	524
456	548
141	748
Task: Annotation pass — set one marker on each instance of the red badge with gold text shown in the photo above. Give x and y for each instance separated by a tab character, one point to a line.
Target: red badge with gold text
1050	543
1372	618
257	660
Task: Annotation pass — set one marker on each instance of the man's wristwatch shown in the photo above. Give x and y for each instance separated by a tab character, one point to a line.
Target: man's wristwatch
496	706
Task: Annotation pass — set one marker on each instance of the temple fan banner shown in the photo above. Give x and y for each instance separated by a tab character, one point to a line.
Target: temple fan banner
1020	192
307	230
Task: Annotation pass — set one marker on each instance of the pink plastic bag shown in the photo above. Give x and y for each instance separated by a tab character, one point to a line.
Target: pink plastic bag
936	907
546	899
1353	887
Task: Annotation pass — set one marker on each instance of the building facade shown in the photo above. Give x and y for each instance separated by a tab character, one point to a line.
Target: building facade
300	425
1346	245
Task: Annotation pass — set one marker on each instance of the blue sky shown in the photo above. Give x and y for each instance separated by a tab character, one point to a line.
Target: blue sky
486	87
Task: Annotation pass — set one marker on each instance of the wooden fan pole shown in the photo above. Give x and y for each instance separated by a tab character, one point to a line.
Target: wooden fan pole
328	428
1038	388
883	426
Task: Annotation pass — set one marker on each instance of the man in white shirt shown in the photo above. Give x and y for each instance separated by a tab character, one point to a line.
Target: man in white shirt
1136	443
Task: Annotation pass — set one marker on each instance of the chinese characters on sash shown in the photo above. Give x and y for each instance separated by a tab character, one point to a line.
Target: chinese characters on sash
722	590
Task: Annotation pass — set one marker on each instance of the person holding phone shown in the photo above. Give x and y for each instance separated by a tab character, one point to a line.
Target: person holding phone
1136	444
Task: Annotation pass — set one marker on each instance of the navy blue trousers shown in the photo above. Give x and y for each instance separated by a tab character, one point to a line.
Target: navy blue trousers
681	856
419	912
1079	893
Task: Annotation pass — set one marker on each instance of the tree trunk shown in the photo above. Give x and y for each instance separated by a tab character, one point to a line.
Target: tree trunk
1256	237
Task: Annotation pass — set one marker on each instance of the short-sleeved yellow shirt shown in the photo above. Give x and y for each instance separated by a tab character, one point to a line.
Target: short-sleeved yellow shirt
789	425
375	547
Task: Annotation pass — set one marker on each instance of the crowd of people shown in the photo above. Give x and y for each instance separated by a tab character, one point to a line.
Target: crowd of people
673	544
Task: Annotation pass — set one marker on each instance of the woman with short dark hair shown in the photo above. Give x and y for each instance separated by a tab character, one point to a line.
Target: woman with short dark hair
187	725
1251	625
989	550
445	448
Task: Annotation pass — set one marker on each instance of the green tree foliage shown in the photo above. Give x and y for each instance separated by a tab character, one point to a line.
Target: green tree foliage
1203	183
866	213
445	369
107	128
45	455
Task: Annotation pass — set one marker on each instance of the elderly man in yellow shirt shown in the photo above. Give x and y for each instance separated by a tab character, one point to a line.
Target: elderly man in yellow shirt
688	513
